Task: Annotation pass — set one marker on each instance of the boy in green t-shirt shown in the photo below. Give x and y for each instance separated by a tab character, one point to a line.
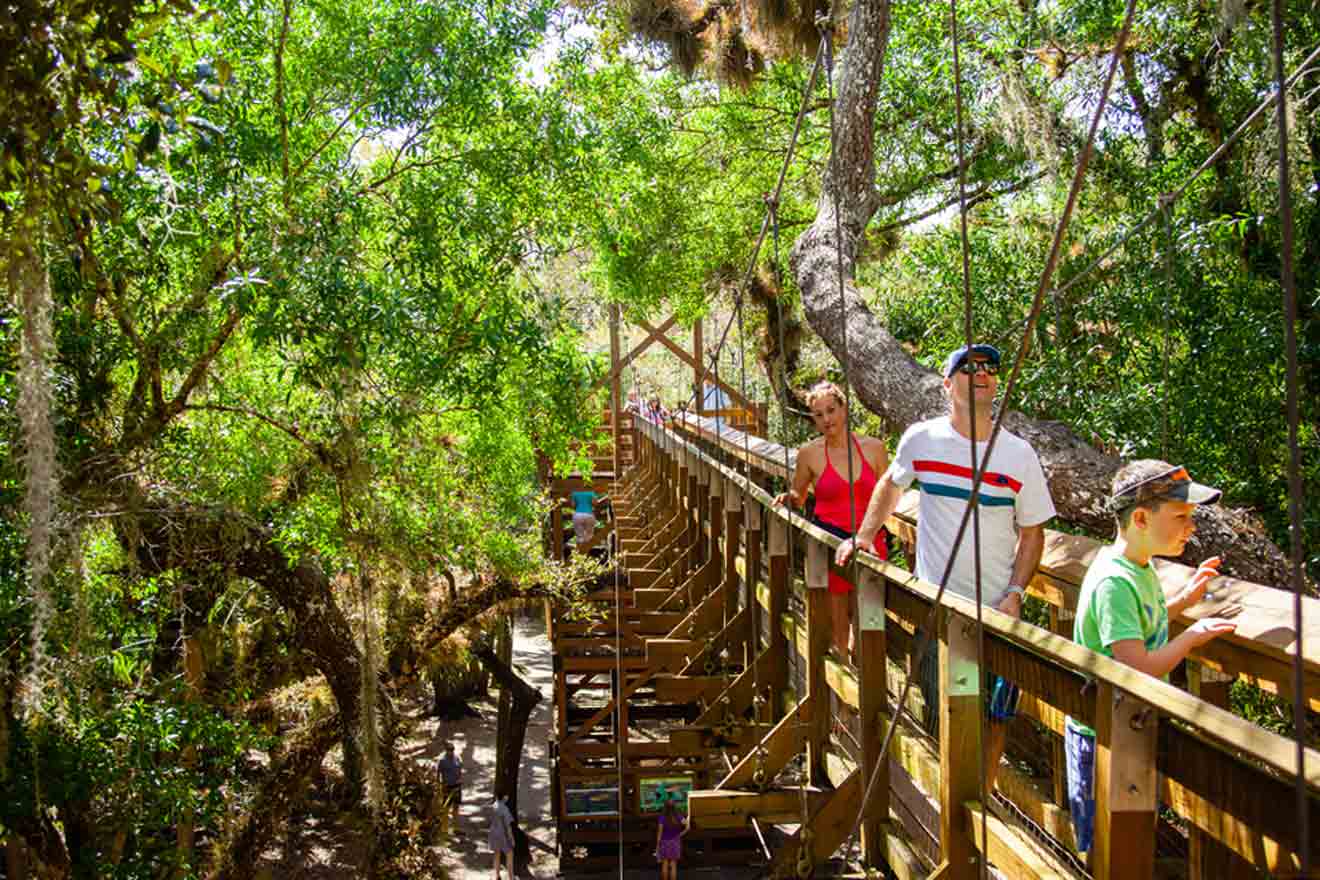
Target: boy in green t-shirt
1122	612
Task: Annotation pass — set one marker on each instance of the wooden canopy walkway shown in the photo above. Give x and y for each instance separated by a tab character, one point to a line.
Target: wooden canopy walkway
707	665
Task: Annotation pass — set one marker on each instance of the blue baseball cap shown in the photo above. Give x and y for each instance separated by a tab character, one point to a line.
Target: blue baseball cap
958	357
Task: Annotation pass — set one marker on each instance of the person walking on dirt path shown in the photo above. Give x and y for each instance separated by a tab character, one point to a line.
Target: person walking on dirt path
669	841
450	767
501	835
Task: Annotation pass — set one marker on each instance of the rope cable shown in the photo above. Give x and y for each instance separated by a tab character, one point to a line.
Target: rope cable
1178	193
977	477
1170	245
773	199
1288	283
969	334
825	26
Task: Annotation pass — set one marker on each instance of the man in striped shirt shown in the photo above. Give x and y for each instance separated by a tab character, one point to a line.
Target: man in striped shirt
1014	502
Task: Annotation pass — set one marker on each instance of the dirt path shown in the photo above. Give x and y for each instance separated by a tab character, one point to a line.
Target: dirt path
468	857
323	843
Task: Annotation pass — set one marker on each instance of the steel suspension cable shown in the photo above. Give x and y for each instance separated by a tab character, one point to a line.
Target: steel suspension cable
773	200
969	336
1038	301
1178	193
824	24
1289	285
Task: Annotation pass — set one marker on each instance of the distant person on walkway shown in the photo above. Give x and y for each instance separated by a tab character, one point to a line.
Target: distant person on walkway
1014	504
823	465
450	767
1122	612
669	840
501	835
584	514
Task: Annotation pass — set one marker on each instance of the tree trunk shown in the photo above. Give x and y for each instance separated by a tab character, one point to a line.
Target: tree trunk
236	854
169	536
890	383
510	742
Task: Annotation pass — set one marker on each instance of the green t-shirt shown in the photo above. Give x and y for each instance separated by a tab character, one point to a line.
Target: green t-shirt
1120	600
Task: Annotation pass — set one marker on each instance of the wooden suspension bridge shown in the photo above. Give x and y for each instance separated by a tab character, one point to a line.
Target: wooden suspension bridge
708	666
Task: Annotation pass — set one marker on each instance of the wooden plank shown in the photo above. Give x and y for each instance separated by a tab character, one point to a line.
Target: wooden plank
818	641
725	808
1011	851
1248	812
1125	816
670	653
960	748
777	748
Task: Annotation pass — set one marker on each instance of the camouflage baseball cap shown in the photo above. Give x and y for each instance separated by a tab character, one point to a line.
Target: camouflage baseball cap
1151	480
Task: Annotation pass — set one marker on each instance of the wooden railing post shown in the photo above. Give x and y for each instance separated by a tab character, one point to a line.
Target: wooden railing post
960	757
757	617
733	520
873	696
818	645
1126	732
778	588
557	530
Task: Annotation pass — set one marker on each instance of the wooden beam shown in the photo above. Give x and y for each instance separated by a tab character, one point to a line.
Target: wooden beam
699	369
830	824
818	641
1125	816
960	752
652	333
778	748
872	651
716	808
1011	851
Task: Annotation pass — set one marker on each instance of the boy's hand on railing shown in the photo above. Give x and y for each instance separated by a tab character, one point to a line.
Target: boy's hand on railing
1209	628
1200	579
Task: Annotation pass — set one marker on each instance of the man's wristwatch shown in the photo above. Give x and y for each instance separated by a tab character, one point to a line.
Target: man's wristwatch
1016	588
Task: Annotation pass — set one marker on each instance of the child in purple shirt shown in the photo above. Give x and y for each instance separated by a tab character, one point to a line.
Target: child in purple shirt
669	841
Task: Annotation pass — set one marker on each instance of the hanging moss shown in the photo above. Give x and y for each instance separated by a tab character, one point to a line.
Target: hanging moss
28	277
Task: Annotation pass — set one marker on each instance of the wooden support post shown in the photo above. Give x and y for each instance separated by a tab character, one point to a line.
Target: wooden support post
1058	755
1126	731
960	757
557	530
752	542
703	504
616	392
873	695
698	361
818	643
778	589
733	519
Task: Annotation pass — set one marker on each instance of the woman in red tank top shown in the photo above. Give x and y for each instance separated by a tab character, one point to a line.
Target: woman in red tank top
824	466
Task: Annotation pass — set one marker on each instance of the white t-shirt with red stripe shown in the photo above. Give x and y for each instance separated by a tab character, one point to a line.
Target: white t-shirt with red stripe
1013	494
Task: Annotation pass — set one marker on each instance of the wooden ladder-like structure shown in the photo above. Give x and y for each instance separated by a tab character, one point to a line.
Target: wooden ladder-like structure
708	666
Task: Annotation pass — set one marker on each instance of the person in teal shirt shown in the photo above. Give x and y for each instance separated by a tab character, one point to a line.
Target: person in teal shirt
1122	612
584	502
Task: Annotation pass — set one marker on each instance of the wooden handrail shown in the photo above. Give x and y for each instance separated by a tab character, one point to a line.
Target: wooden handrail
1259	650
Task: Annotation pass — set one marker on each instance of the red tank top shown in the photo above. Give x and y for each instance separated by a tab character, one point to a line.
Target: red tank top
832	491
832	506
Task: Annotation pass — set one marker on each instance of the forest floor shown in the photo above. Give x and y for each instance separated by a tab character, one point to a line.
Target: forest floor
323	843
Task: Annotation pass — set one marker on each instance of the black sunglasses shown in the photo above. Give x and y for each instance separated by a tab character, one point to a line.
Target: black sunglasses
973	367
